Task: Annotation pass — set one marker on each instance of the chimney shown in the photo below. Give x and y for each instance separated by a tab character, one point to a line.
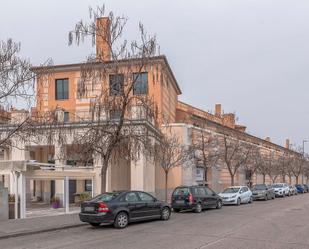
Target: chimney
103	50
267	139
287	143
218	110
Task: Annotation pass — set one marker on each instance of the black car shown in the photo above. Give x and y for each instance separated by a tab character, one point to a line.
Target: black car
120	208
195	198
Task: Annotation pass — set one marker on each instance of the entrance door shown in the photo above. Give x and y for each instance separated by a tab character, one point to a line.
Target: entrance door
52	188
72	190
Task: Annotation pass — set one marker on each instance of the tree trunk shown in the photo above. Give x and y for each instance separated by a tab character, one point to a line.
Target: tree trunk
264	179
103	175
283	178
166	181
296	179
290	179
232	180
205	175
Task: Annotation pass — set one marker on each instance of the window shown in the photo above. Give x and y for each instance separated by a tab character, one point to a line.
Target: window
88	185
208	191
201	191
62	89
145	197
181	191
66	117
131	197
140	83
105	197
116	84
114	114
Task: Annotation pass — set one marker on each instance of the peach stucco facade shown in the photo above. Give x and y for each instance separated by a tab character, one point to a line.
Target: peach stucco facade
183	121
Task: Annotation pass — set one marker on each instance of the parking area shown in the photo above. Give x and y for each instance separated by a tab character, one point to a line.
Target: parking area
279	224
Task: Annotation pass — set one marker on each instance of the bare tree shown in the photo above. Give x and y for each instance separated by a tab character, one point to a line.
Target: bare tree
253	164
120	105
16	85
235	154
262	165
170	153
297	168
206	153
285	160
272	165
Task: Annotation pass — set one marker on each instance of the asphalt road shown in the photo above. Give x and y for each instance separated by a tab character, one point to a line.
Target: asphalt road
281	223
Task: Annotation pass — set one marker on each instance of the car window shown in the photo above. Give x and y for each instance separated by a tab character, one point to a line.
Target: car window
230	190
208	191
181	191
145	197
246	189
201	191
131	197
105	197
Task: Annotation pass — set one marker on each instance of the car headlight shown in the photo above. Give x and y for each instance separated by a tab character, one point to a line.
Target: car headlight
233	196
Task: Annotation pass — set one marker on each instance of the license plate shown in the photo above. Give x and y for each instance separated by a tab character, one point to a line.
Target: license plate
88	209
179	201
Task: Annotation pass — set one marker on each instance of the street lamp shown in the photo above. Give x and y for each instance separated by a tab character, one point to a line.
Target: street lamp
304	141
302	175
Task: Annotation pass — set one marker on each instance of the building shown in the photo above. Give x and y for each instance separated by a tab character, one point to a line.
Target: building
52	169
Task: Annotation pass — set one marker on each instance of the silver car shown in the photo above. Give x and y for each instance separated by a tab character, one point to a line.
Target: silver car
262	192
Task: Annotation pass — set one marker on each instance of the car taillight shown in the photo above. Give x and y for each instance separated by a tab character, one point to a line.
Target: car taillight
102	208
190	197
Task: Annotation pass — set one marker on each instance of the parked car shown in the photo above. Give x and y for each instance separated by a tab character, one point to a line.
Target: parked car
306	188
236	195
121	208
281	189
300	188
293	190
262	192
195	198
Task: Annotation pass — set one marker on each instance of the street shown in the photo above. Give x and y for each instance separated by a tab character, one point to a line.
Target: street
282	223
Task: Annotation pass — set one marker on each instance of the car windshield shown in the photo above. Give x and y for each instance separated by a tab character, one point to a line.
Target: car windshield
230	190
259	187
277	185
181	191
106	197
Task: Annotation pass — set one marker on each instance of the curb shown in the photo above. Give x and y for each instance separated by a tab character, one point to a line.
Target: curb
14	235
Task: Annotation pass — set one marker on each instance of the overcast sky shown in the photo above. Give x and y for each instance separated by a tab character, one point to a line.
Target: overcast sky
252	56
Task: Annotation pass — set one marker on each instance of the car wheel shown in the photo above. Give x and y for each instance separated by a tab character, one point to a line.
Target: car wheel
176	210
198	208
238	202
219	204
274	197
266	198
121	220
165	213
95	224
251	200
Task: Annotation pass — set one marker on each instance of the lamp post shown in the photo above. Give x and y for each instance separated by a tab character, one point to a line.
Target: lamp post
302	175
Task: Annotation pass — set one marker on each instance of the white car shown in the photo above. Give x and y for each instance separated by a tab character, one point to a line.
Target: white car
281	189
236	195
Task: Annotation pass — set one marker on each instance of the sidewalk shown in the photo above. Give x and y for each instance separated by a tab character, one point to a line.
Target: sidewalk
15	228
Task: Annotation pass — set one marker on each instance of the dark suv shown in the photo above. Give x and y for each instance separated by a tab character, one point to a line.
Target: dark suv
195	198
